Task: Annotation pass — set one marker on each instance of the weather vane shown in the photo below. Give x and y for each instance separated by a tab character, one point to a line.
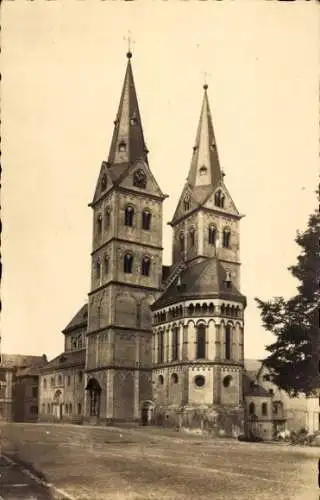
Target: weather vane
130	43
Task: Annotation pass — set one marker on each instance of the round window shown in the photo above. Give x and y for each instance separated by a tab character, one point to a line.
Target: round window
227	381
174	378
160	379
199	380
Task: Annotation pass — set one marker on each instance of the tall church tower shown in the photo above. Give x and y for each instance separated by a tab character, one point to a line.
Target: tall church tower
126	270
199	319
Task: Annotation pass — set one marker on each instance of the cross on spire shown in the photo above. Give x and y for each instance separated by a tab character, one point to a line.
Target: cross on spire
130	42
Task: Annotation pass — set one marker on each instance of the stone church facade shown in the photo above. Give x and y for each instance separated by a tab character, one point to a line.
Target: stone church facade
157	343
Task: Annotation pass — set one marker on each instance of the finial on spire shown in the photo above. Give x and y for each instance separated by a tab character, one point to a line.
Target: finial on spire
130	43
205	84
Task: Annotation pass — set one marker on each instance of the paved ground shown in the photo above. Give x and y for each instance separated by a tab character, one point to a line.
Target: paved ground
92	463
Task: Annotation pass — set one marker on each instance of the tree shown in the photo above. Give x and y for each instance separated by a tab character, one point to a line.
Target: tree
294	357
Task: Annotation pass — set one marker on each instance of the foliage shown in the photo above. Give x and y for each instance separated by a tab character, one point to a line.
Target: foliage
294	356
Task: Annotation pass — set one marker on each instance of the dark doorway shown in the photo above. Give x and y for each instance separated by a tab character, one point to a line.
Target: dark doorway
94	397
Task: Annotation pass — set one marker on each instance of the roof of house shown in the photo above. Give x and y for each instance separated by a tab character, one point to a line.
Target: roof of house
252	388
80	319
21	361
199	280
66	360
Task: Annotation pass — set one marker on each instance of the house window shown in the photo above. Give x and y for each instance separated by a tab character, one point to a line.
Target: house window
219	199
99	224
80	376
226	238
128	216
122	147
146	220
79	342
68	380
127	263
212	235
145	266
34	392
161	347
160	380
60	380
201	342
52	382
264	409
228	342
175	337
227	381
106	265
181	239
252	409
44	383
107	218
192	237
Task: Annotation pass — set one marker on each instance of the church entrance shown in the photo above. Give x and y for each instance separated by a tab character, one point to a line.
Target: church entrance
146	412
94	390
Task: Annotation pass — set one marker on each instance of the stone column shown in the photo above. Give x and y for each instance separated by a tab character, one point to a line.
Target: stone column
191	341
218	342
180	354
169	337
211	340
109	395
185	343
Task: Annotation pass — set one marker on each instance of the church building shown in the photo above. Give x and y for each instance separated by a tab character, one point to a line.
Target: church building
156	343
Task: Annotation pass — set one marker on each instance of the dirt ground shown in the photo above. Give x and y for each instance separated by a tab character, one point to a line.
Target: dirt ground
95	463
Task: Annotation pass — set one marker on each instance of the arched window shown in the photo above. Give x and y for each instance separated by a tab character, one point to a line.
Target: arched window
122	147
181	240
219	199
191	309
128	216
146	220
99	224
103	183
60	380
252	409
106	264
79	408
128	263
192	237
175	340
186	203
226	238
227	381
161	347
145	266
228	341
212	235
264	409
107	218
211	308
44	383
201	342
98	269
160	380
174	378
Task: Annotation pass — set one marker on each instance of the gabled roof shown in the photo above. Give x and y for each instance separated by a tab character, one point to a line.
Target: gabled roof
199	280
21	360
66	360
252	388
79	320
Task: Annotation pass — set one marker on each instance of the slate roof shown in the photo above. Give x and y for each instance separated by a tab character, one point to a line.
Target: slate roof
80	319
66	360
21	360
199	279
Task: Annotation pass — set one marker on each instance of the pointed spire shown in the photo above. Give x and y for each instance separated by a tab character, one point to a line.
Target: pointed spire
205	167
128	145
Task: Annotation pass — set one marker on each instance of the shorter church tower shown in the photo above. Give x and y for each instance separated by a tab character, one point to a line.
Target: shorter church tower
198	321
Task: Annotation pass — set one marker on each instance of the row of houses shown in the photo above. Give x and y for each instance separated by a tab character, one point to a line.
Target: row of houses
268	410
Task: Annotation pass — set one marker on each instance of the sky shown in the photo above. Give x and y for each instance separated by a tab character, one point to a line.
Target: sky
63	64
